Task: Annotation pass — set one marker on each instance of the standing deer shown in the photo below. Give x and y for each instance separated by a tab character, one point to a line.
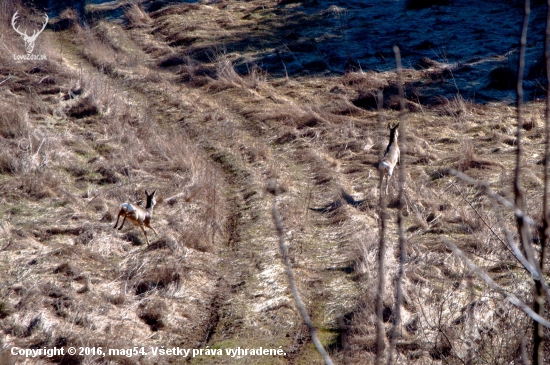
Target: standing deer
138	216
390	159
29	41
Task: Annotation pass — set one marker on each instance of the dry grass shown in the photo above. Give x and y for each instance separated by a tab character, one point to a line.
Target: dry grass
79	175
137	16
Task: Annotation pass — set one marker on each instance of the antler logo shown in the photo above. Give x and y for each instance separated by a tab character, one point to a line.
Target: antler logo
29	41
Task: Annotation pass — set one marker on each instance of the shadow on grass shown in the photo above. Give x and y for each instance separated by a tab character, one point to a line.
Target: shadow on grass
344	198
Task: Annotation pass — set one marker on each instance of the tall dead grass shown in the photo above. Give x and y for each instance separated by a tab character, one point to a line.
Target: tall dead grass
228	77
97	51
137	16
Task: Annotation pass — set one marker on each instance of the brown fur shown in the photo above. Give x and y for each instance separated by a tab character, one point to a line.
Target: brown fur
390	159
138	216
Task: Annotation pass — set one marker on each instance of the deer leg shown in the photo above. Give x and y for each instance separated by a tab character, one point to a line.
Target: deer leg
122	225
156	234
145	233
116	224
395	184
384	173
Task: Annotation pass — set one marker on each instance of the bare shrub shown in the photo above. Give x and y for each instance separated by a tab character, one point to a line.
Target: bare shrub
201	218
9	164
13	121
38	184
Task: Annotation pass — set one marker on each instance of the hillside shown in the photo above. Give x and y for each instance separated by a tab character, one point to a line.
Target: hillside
208	103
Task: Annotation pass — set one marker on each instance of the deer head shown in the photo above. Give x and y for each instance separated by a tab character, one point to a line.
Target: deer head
29	41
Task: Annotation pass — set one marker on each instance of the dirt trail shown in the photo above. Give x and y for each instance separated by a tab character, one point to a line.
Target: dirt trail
254	306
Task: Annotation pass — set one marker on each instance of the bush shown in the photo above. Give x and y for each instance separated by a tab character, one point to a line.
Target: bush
12	122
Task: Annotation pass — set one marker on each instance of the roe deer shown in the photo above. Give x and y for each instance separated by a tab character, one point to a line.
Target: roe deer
390	159
138	216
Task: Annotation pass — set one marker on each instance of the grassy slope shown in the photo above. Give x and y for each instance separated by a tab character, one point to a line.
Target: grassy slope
208	140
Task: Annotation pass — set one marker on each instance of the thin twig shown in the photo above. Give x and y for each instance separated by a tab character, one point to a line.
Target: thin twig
510	297
523	230
544	236
512	246
294	289
403	147
380	333
516	252
6	246
452	347
484	187
471	316
9	77
524	233
479	215
543	232
532	266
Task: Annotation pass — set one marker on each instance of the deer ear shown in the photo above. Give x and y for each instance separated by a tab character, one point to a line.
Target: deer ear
389	125
397	125
153	193
146	192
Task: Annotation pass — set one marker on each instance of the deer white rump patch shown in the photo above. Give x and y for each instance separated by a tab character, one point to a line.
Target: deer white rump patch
386	166
128	207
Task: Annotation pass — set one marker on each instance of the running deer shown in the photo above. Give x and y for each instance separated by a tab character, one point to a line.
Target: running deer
138	216
390	159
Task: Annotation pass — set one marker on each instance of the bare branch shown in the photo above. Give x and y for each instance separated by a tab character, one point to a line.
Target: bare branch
532	266
9	77
511	246
524	233
478	214
401	142
484	187
380	333
538	302
292	284
545	209
523	230
514	248
510	297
